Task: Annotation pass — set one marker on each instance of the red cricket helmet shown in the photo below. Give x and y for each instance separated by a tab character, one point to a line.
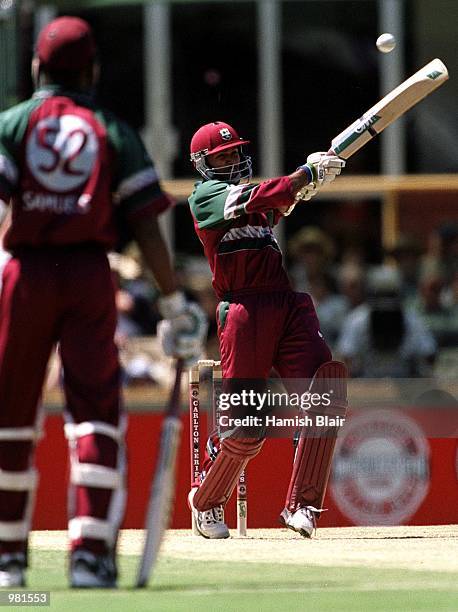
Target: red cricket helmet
66	44
215	137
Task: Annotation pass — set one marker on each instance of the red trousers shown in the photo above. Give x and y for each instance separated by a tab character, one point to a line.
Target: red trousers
56	295
280	330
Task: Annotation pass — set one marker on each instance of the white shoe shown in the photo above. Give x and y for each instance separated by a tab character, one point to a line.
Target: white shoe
303	520
210	523
12	570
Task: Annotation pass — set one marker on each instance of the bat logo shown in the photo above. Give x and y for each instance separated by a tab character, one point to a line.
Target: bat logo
434	75
366	124
225	134
355	131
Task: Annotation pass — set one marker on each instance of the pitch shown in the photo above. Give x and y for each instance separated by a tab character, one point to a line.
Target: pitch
354	568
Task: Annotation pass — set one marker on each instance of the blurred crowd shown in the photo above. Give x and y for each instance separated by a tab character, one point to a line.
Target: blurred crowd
396	318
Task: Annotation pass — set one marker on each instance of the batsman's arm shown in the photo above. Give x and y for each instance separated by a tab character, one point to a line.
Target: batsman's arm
283	193
299	179
215	204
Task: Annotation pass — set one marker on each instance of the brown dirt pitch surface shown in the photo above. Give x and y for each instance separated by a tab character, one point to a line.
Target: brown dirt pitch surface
428	548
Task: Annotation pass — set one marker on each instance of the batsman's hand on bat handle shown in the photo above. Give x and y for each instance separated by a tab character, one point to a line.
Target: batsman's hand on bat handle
183	330
321	169
326	166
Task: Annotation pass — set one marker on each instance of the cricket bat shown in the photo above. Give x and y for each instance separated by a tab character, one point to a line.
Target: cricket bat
389	108
163	484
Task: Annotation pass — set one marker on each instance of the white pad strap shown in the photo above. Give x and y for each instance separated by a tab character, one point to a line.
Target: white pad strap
10	531
93	475
74	431
18	481
88	527
19	433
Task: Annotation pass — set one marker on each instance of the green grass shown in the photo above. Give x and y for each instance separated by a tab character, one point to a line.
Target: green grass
230	585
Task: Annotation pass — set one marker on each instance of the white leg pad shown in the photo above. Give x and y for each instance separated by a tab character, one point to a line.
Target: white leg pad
17	434
89	527
74	431
92	475
11	531
98	476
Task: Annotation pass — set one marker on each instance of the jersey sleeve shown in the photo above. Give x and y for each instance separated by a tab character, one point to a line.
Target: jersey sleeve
271	195
137	190
215	204
13	124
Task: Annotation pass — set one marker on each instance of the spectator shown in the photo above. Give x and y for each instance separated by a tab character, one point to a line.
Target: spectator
442	252
312	252
331	307
351	282
381	338
451	295
406	254
430	306
135	296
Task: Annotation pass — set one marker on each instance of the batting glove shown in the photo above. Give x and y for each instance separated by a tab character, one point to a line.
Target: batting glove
326	166
304	195
183	330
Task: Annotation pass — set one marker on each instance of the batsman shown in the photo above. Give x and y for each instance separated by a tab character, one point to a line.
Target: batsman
262	322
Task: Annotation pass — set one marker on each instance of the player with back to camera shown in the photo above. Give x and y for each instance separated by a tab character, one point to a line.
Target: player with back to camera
66	166
262	322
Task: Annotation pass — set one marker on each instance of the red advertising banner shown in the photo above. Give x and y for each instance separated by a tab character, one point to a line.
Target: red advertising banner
385	472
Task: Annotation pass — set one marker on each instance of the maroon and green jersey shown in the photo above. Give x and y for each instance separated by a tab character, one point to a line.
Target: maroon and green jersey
235	225
69	168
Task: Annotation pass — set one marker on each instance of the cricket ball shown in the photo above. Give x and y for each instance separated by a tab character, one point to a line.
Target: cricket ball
386	43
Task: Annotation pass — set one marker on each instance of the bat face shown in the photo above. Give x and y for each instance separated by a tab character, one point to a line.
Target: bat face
390	108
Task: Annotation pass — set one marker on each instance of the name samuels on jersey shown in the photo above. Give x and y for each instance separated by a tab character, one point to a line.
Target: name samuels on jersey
59	204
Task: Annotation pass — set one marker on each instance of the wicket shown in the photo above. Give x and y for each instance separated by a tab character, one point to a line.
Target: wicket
194	422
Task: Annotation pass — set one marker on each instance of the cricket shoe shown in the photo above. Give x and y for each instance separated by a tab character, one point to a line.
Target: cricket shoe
12	569
210	523
91	571
302	520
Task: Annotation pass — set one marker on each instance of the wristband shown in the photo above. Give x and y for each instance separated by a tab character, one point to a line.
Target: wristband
310	171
